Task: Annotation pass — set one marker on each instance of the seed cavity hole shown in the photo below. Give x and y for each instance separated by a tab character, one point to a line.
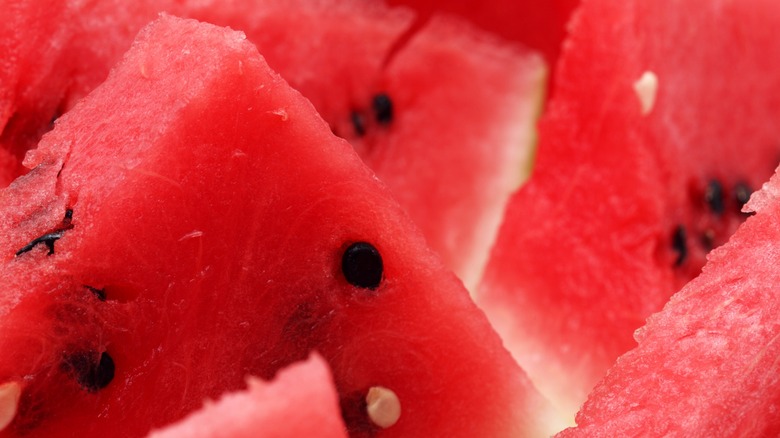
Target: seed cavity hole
100	294
93	372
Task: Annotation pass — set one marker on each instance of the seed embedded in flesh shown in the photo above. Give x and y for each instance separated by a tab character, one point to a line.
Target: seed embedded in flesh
100	294
742	193
362	265
47	239
383	108
92	376
9	402
679	245
357	122
383	406
713	195
646	89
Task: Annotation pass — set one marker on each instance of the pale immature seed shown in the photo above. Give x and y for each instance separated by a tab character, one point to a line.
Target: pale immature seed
383	406
9	402
646	89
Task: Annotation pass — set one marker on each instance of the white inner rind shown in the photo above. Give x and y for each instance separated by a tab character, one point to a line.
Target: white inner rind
9	402
383	406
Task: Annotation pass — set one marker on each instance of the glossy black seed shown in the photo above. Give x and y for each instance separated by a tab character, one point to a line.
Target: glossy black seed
383	108
714	197
68	216
358	123
99	293
46	239
679	245
742	193
362	265
91	372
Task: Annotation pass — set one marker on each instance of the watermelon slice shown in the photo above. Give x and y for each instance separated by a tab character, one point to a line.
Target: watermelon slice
52	53
300	402
444	115
707	364
539	24
641	170
444	118
193	221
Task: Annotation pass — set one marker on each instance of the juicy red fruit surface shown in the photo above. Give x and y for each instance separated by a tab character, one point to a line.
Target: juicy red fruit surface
301	395
620	211
707	364
216	233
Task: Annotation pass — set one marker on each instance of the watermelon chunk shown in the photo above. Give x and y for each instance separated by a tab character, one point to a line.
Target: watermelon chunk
52	53
707	364
300	402
539	24
458	133
458	129
193	221
641	169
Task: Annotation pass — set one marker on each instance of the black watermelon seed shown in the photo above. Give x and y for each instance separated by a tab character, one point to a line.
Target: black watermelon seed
90	375
362	265
358	123
383	108
742	193
47	239
679	245
714	196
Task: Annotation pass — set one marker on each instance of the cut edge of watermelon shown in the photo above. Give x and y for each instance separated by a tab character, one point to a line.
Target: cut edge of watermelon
257	404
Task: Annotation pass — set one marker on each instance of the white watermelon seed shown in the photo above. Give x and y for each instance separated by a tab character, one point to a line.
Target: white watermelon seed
383	406
646	89
9	402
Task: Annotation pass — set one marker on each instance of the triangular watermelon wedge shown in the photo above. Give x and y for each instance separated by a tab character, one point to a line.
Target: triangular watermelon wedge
444	113
193	221
657	131
301	401
454	137
707	365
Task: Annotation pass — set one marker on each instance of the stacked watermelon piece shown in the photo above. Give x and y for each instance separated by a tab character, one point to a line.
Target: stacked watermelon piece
644	164
302	394
197	222
451	150
167	258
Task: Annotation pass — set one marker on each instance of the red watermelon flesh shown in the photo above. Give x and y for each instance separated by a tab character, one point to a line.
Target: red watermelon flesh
623	205
539	24
300	402
707	365
216	214
461	131
52	53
